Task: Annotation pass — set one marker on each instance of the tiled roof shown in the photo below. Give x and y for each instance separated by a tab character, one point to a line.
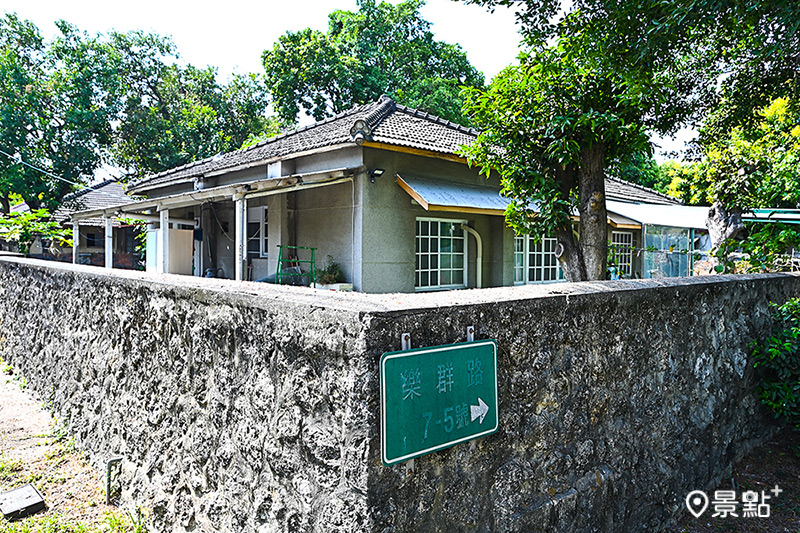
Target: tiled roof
386	121
625	191
417	129
106	194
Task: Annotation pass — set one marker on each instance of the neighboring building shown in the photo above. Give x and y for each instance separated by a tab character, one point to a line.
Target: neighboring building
91	231
380	189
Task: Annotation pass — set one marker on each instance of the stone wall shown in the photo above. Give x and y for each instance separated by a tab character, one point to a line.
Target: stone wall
244	407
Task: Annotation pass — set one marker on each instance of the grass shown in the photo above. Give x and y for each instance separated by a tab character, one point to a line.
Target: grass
5	368
9	468
56	523
13	473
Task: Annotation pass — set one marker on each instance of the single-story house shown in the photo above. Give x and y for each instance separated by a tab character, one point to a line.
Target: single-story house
89	233
381	190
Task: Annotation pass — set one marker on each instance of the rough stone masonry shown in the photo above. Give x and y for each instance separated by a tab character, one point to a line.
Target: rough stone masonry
240	407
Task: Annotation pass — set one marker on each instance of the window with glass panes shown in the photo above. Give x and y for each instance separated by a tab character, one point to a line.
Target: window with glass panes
441	251
257	232
535	262
622	244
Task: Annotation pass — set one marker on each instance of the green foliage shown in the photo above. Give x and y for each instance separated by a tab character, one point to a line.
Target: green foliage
58	523
131	522
140	237
535	120
272	127
759	167
663	63
778	362
332	273
23	227
69	105
641	168
754	166
171	115
57	101
686	182
379	49
767	245
550	125
9	468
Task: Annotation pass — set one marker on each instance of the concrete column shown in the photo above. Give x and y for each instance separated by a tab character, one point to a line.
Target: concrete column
109	242
76	240
163	242
278	227
240	208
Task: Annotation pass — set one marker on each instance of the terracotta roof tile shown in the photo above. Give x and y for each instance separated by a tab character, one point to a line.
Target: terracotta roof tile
389	123
625	191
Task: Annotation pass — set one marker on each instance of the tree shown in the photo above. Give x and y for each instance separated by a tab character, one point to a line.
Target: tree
172	115
641	168
379	49
549	126
687	182
23	227
657	63
56	107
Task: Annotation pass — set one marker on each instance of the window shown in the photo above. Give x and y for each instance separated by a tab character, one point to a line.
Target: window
661	262
622	244
93	241
129	239
535	262
441	251
257	232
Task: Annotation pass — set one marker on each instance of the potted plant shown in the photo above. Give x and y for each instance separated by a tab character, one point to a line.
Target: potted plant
331	278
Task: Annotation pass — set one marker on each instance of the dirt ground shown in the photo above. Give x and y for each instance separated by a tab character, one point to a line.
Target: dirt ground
777	462
34	450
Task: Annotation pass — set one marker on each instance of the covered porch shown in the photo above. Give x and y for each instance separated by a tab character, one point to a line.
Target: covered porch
231	231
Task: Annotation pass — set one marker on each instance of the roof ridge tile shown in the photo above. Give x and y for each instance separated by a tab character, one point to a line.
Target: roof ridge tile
643	187
435	118
88	189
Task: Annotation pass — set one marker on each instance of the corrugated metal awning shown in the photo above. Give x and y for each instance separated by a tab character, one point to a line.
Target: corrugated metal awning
677	216
617	221
437	195
787	216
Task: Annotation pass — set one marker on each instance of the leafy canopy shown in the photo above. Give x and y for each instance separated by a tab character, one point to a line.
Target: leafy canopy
24	226
537	117
57	101
754	165
777	360
78	102
379	49
171	115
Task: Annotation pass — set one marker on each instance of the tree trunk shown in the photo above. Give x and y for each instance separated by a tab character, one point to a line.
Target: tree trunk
723	224
33	202
592	210
5	204
570	255
567	252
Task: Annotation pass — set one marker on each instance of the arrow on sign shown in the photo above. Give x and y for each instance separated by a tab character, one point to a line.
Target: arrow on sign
479	411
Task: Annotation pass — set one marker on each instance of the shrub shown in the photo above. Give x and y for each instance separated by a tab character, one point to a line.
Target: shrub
778	361
332	273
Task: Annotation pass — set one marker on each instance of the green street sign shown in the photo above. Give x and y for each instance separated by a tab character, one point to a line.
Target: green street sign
433	398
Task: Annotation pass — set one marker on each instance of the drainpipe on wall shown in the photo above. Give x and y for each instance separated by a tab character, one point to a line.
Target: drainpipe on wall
479	259
76	239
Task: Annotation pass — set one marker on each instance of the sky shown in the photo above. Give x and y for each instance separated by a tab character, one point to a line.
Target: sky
231	36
